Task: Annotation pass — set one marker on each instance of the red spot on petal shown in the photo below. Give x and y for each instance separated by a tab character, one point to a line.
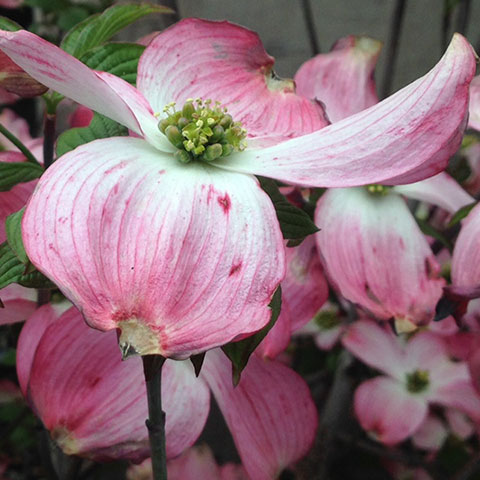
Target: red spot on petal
235	268
210	193
225	203
161	172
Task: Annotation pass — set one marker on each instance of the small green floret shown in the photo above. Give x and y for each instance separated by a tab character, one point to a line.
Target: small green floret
417	381
378	190
327	319
202	131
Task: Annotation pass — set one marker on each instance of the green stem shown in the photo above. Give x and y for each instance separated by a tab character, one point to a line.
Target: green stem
152	367
18	144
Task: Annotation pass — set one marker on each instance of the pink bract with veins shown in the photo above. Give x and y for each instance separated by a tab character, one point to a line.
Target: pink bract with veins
99	405
183	258
418	373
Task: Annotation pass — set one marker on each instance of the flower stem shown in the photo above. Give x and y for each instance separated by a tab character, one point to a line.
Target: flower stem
152	368
28	154
49	139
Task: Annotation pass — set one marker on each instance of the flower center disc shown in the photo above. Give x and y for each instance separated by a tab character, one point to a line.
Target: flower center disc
202	130
417	381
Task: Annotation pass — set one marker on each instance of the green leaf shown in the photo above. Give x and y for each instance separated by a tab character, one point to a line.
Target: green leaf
47	5
71	16
13	227
120	59
100	127
239	352
12	270
12	173
427	229
461	214
294	222
9	25
99	28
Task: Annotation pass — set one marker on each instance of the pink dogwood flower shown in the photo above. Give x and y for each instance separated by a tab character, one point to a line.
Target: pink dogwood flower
184	257
98	405
370	245
419	373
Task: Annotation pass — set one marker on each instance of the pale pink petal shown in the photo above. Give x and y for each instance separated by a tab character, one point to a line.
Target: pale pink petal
231	471
10	3
403	139
374	252
99	407
19	303
197	463
425	350
460	395
466	254
7	97
387	411
343	78
81	117
474	119
326	339
304	291
270	413
16	125
459	423
186	402
431	434
278	338
181	258
12	201
29	338
227	63
441	190
101	92
376	346
472	156
474	369
304	287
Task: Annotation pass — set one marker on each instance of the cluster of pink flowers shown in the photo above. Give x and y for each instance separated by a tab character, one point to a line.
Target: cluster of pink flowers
183	258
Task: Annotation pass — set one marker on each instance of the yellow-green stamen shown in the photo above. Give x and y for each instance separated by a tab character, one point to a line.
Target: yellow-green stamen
379	190
417	381
202	131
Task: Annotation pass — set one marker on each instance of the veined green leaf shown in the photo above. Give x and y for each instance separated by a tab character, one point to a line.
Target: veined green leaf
9	25
13	270
99	28
294	222
12	173
461	214
239	352
100	127
13	227
120	59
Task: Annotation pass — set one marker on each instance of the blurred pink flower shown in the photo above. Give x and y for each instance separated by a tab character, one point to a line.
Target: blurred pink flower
419	373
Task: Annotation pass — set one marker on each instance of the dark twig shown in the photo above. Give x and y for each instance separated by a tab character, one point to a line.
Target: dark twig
311	30
152	367
395	31
49	139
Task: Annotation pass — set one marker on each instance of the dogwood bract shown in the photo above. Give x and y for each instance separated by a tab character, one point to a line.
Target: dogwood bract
182	257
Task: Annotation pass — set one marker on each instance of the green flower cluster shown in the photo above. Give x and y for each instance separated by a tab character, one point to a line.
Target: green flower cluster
202	131
417	381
